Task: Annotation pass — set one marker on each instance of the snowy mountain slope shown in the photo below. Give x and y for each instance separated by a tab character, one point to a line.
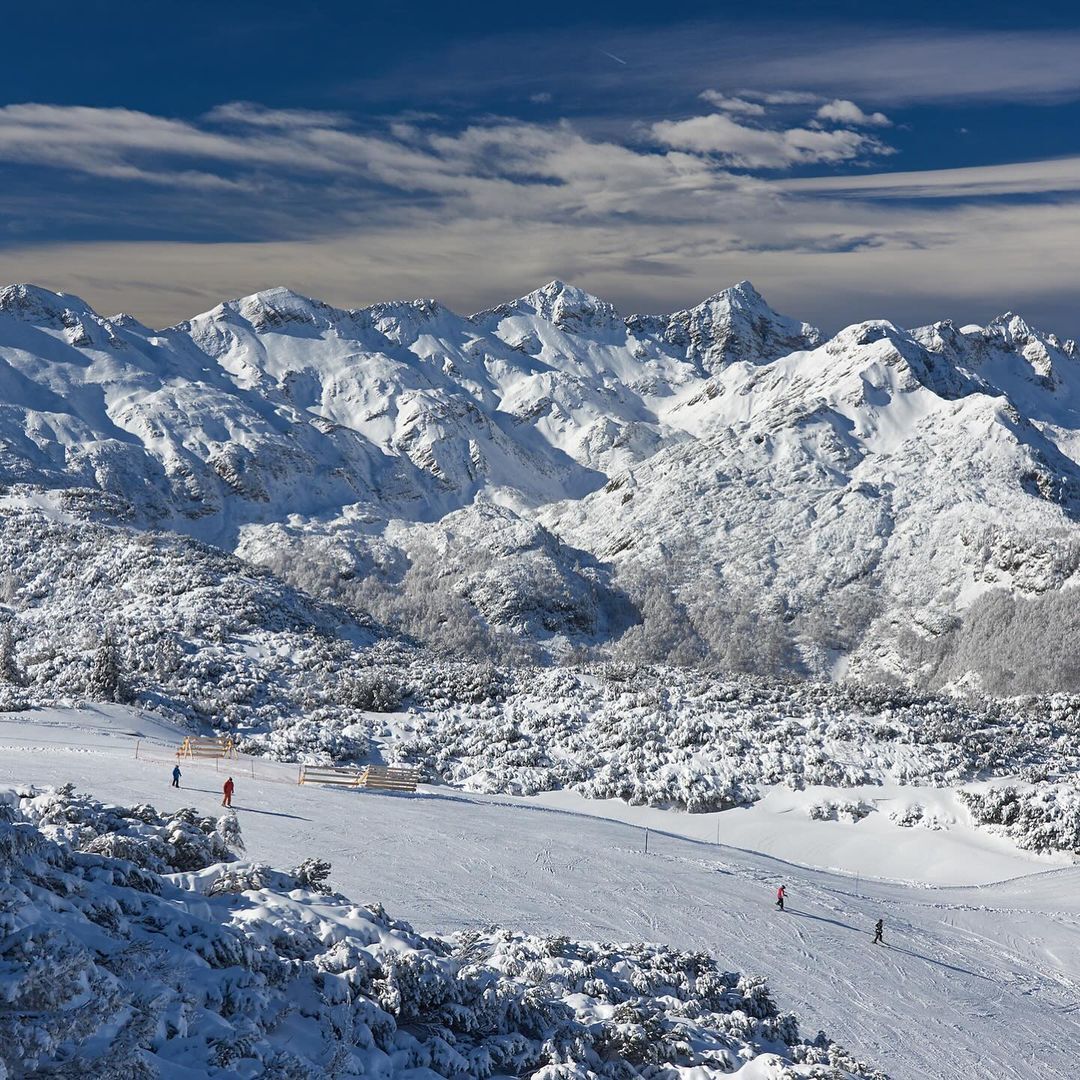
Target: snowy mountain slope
868	463
277	404
547	458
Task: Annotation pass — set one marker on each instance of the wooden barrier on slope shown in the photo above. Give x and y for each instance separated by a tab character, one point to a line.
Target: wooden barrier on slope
335	775
391	777
196	746
378	777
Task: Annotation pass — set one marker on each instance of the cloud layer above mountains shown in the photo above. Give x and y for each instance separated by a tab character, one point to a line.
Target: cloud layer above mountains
794	169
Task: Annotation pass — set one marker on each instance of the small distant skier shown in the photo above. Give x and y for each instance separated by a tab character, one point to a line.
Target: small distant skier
227	790
781	893
879	929
176	774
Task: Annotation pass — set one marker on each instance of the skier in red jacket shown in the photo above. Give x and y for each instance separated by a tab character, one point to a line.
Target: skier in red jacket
780	894
228	790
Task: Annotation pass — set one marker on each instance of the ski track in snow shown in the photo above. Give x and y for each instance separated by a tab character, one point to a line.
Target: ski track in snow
979	981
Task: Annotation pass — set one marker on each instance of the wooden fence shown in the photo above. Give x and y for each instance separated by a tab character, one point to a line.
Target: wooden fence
335	775
195	746
378	777
391	777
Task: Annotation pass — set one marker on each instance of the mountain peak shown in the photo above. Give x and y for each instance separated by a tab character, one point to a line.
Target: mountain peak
741	292
737	324
274	307
565	306
32	302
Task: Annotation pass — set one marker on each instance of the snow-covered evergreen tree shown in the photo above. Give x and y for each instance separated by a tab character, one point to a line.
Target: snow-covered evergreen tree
10	671
105	682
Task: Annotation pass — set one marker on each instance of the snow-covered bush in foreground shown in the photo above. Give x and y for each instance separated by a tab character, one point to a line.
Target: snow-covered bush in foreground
108	969
163	843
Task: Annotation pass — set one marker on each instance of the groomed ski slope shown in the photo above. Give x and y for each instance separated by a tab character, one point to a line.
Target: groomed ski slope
979	981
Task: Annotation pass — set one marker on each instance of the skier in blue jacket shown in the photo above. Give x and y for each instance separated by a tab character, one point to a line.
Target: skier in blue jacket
176	776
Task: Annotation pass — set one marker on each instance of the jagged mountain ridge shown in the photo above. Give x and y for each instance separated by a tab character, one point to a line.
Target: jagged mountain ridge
726	444
277	399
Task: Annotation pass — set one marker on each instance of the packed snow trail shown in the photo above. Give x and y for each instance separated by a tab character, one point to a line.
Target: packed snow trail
975	981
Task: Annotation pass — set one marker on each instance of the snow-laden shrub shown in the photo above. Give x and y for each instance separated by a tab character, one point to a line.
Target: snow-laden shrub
1046	818
106	971
840	810
311	874
373	690
322	737
908	816
162	843
673	737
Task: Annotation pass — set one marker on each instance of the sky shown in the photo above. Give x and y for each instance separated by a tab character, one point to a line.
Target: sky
854	161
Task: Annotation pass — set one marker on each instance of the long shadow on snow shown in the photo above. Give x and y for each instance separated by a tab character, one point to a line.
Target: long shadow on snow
894	948
269	813
821	918
939	963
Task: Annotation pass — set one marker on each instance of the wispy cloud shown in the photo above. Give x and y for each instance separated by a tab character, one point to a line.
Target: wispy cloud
1025	178
727	103
249	113
932	65
783	97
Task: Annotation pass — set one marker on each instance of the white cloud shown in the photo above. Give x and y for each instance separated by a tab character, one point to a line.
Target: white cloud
476	214
842	111
252	114
488	166
732	104
1054	175
783	97
745	147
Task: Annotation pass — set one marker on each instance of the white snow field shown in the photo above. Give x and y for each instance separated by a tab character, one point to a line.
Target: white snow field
981	978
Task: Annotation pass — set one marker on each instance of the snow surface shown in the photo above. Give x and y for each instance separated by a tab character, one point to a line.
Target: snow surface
979	980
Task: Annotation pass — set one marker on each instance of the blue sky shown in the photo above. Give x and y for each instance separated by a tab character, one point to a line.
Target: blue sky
853	160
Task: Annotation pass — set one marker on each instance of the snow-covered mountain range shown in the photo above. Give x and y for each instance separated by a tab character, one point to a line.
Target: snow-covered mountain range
548	462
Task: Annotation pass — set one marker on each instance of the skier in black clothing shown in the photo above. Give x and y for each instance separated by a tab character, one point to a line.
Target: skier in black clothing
879	928
176	776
